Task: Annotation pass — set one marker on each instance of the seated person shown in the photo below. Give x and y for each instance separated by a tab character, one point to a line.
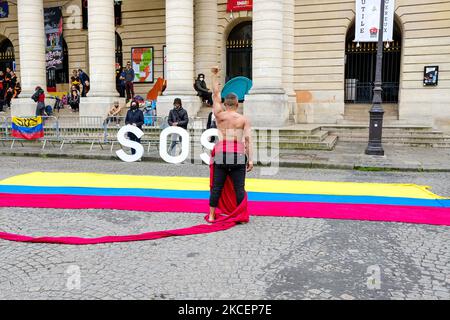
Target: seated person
74	101
150	113
17	90
202	89
114	113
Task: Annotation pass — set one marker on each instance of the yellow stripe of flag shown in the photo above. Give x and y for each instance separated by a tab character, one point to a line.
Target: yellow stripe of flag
27	122
94	180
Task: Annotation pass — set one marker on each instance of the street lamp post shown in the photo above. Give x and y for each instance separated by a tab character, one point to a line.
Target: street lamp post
375	146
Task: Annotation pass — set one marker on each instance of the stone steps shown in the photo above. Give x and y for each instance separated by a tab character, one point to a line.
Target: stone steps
327	144
291	132
364	119
354	113
415	136
204	112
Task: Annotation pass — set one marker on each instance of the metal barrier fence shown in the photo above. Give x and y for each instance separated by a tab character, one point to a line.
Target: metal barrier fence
75	129
3	130
94	130
197	123
51	131
151	128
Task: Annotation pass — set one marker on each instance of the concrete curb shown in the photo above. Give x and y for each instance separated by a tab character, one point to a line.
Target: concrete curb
282	164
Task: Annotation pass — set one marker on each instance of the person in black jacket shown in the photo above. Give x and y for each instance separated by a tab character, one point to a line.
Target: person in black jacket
74	100
85	82
211	124
178	117
135	117
202	89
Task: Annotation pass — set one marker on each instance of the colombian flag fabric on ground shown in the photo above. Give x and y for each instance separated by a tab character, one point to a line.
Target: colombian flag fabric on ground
27	128
406	203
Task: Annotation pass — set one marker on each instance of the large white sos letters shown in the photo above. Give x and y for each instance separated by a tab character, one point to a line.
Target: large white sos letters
121	137
204	140
185	144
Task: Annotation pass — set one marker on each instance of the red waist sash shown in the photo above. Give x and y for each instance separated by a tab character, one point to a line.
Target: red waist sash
227	146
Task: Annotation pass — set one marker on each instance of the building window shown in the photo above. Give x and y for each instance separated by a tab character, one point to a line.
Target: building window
119	52
117	13
84	11
239	51
360	66
7	56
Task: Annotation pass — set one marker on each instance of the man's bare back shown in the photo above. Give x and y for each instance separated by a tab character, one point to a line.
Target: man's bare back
231	126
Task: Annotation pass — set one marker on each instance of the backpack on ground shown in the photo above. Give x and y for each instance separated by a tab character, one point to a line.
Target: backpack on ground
35	96
49	110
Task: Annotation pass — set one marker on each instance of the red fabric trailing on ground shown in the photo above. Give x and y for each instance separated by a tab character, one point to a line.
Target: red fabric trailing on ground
228	215
199	229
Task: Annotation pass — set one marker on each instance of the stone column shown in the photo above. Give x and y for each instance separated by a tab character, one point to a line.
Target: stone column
205	36
180	58
266	105
30	16
102	50
288	55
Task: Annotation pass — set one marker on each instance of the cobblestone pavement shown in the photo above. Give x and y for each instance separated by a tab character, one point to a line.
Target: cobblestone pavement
270	258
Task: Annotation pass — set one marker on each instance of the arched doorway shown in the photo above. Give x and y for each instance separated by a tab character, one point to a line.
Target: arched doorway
239	51
360	66
7	56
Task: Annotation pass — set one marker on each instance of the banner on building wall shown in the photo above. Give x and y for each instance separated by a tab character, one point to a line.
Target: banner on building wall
4	9
142	63
53	21
368	20
239	5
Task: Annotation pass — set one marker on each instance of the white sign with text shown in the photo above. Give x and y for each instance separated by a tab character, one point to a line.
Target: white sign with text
368	20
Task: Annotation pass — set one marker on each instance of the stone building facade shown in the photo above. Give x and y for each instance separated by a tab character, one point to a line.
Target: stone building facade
299	53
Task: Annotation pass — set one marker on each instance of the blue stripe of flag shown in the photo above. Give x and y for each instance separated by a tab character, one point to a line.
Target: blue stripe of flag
32	130
202	195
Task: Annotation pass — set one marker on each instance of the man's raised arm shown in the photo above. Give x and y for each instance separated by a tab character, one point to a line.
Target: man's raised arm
217	98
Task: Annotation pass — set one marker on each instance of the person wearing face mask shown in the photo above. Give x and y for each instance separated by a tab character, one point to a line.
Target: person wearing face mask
135	117
178	117
202	89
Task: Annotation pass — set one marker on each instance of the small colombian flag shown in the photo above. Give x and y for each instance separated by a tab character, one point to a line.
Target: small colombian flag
27	128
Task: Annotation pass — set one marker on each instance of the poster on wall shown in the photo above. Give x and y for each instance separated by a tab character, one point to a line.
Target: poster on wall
239	5
368	20
142	63
4	9
164	61
431	76
54	38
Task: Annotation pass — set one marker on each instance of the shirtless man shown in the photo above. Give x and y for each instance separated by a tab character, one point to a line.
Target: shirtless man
235	134
114	113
